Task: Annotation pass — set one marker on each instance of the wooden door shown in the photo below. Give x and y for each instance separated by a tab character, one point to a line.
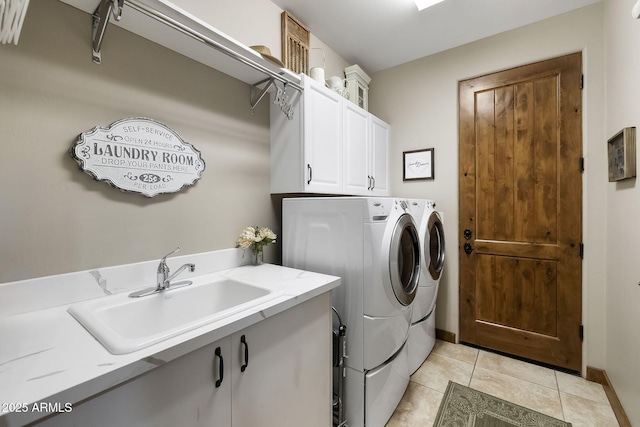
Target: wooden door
520	211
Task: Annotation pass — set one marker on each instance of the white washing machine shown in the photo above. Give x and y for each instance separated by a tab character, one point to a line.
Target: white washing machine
422	333
374	246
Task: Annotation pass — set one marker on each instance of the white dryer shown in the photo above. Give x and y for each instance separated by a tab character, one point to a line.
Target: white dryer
374	246
422	334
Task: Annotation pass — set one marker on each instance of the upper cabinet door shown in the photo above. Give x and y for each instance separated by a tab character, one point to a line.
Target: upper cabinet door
379	159
366	153
357	176
322	138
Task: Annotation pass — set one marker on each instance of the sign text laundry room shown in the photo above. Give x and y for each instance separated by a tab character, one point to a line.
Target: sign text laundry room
139	155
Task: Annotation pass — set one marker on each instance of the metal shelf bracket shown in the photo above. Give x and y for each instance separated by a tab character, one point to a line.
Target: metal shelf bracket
257	94
281	98
100	21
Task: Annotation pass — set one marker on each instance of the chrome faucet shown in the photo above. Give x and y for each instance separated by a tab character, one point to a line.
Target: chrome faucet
164	279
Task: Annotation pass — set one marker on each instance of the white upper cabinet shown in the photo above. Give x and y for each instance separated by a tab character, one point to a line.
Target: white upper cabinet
322	122
366	153
357	149
379	156
331	146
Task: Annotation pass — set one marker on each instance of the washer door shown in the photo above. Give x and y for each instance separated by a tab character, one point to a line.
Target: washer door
435	256
404	259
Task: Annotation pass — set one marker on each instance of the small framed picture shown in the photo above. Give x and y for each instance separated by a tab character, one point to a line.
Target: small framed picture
418	164
621	150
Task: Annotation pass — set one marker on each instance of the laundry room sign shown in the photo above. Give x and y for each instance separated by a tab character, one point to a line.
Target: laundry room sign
139	155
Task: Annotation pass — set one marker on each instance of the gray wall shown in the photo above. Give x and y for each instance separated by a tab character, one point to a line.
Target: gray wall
54	218
622	207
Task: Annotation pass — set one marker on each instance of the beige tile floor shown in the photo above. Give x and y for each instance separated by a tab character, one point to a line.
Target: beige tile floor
563	396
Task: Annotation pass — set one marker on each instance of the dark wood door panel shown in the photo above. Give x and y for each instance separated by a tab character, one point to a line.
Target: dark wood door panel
521	199
518	292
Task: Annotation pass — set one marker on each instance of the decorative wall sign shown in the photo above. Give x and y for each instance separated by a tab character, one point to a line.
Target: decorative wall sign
418	164
138	155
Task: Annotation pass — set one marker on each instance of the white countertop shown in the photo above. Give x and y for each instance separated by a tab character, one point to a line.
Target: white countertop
47	356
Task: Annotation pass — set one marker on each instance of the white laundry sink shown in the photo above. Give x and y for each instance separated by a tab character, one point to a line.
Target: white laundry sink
123	324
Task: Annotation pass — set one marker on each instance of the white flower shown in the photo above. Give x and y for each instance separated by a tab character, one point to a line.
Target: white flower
266	233
256	238
247	238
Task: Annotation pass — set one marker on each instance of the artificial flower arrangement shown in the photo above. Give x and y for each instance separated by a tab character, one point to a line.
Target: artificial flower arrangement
256	238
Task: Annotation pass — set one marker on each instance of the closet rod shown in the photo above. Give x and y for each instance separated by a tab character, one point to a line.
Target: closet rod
170	22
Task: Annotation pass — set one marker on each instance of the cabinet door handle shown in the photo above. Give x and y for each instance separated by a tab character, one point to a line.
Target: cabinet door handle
243	340
220	367
373	182
310	174
369	182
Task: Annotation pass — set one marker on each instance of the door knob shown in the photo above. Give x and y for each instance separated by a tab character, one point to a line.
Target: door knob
468	248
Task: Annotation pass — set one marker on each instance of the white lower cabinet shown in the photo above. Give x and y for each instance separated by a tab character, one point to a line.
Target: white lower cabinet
179	393
286	380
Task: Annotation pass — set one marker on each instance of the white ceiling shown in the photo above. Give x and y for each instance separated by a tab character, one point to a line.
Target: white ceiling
378	34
